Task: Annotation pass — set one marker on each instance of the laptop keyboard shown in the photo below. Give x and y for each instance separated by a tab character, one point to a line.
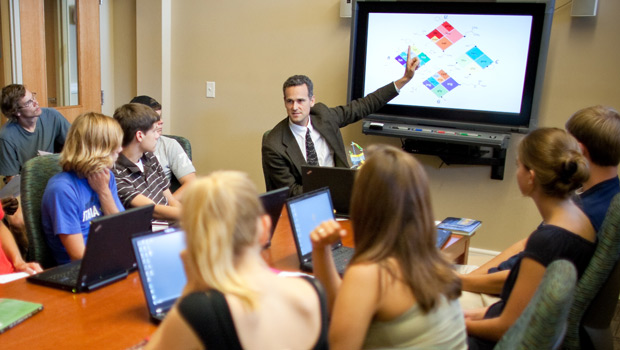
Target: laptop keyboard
69	276
342	256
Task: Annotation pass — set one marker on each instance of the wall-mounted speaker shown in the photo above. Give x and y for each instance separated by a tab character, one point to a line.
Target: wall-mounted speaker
583	8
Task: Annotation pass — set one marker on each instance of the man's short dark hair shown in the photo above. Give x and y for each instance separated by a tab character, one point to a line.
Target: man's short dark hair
297	80
11	97
148	101
598	129
134	117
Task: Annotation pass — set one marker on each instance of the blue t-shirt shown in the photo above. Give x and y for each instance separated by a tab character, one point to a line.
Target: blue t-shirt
68	206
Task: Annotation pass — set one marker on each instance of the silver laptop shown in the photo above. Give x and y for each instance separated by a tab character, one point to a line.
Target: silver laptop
161	269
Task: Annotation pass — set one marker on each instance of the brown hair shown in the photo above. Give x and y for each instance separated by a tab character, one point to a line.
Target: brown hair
598	129
90	142
134	117
11	96
393	218
559	166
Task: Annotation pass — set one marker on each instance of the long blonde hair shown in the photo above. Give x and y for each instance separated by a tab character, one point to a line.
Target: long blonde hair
220	217
393	218
90	144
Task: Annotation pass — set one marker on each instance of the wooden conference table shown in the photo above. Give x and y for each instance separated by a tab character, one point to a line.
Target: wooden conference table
115	316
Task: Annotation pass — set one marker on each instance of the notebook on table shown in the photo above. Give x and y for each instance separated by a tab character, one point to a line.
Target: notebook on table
305	213
273	201
107	256
338	180
161	269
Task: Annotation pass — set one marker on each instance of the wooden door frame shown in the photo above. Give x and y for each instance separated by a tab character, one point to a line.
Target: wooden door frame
34	71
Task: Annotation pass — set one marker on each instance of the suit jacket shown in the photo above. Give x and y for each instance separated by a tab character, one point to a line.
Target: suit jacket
282	158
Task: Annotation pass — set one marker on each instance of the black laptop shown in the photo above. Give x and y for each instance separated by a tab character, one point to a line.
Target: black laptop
161	269
273	201
306	212
338	180
107	257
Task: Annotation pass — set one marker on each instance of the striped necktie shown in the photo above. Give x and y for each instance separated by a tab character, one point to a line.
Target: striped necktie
311	157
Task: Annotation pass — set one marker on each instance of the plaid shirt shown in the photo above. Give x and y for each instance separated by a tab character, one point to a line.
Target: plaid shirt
131	181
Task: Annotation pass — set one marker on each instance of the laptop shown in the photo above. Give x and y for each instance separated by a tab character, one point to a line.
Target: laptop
107	257
161	269
338	180
306	212
273	201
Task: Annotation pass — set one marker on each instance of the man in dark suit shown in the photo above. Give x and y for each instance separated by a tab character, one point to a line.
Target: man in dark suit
311	132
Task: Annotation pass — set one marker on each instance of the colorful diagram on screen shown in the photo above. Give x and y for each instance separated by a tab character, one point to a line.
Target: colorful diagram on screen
470	62
402	58
445	35
466	61
440	83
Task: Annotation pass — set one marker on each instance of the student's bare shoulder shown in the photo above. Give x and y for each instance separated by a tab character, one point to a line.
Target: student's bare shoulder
365	271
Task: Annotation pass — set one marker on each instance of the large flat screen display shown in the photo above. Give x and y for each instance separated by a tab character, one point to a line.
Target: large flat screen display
482	63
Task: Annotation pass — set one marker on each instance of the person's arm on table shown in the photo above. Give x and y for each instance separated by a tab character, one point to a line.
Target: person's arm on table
530	275
490	283
514	249
165	212
12	252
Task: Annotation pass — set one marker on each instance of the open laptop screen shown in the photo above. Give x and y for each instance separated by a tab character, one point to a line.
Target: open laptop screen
161	267
306	212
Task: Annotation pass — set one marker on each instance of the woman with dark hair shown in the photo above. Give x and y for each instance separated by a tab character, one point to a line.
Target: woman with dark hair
550	169
398	289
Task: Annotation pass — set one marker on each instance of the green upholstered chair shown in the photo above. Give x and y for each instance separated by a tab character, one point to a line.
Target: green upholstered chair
596	295
542	324
187	147
34	176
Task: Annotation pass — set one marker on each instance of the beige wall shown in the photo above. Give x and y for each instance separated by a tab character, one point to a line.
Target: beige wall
250	52
123	32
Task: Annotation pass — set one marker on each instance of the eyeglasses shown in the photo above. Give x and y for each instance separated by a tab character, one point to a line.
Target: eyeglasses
31	101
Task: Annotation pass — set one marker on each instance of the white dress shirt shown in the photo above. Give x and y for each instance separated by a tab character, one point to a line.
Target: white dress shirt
324	153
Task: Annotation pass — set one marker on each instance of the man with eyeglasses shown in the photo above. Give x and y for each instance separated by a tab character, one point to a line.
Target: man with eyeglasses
30	129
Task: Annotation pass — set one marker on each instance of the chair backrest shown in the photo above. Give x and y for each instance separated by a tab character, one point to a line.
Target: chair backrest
542	324
596	275
187	147
34	176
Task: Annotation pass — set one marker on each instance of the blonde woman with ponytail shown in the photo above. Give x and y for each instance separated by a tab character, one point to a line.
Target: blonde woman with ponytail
232	299
550	168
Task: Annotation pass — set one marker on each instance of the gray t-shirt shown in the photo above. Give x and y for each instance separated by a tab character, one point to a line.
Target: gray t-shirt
172	158
17	145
